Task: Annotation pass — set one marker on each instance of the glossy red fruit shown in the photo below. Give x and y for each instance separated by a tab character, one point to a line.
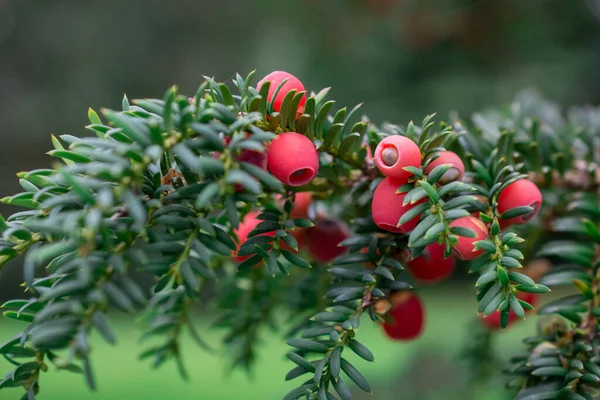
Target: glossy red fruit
520	193
492	321
455	173
302	203
408	317
276	77
394	153
324	238
293	159
246	226
431	266
387	207
466	245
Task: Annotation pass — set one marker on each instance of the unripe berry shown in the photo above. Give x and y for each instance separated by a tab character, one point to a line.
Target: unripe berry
302	202
394	153
293	159
520	193
492	321
276	77
246	226
387	207
382	306
408	317
465	247
323	239
431	266
455	173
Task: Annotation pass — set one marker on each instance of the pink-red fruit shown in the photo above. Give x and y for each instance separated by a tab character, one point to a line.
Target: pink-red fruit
324	238
302	203
465	248
394	153
387	207
293	159
246	226
431	266
520	193
276	77
408	317
455	173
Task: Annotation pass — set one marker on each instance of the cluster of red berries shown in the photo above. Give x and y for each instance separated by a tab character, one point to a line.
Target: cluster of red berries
392	156
293	159
395	153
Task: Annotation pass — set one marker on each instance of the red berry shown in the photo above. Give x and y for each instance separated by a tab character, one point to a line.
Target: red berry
492	321
466	245
276	77
408	317
324	238
293	159
455	173
394	153
520	193
246	226
301	204
254	157
387	207
431	266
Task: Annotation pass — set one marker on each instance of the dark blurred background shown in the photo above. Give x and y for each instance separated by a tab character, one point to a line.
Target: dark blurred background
403	58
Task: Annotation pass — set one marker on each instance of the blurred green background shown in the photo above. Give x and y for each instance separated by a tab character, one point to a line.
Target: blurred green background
429	368
403	58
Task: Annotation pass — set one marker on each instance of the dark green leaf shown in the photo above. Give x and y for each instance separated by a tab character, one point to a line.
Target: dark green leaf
361	350
356	376
308	345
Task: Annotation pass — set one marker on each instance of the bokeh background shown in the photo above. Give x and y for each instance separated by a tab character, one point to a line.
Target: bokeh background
403	58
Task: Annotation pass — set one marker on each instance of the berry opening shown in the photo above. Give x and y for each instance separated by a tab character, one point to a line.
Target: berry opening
450	176
301	176
389	156
535	205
